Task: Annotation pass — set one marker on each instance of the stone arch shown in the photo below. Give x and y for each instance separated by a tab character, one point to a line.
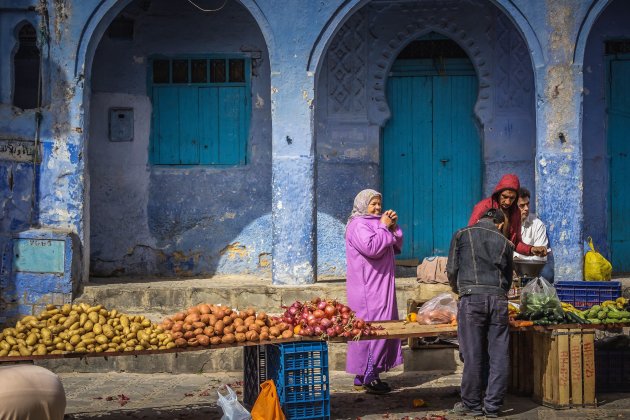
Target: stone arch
378	80
105	12
349	7
593	13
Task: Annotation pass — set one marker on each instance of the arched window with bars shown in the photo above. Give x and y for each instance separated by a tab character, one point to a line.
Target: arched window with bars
26	69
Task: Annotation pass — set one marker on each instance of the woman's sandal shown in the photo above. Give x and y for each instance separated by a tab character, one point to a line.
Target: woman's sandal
377	387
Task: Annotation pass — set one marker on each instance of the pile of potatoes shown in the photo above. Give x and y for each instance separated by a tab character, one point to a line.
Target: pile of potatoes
82	328
205	324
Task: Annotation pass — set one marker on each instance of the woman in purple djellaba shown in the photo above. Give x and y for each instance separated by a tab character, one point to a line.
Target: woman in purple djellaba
372	239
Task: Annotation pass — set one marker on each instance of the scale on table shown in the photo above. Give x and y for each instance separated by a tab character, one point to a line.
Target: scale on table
526	270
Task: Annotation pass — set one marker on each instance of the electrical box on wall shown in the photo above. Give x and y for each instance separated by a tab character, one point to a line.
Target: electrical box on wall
120	124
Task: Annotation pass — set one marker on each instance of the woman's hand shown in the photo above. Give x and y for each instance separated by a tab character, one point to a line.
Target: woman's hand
386	220
390	219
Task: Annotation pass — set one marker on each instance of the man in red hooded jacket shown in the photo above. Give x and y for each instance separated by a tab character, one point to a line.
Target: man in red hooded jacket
505	197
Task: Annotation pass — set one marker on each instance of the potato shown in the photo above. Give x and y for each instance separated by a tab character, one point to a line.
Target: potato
228	339
241	329
228	330
274	331
101	339
203	340
240	337
264	336
93	316
218	327
215	340
287	334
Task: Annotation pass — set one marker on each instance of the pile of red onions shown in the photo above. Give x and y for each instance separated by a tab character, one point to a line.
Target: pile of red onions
326	319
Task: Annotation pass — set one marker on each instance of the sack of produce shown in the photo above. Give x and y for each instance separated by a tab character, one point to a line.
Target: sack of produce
539	302
232	409
442	309
596	267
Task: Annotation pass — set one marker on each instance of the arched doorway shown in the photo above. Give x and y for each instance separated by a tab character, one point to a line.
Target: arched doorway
605	126
176	171
431	150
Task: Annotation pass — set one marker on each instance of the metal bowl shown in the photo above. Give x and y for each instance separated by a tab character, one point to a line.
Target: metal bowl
528	268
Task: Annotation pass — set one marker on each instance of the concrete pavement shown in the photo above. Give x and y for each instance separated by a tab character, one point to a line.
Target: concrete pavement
117	396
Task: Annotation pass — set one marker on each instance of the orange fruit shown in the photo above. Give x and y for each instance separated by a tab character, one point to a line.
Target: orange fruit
418	402
412	317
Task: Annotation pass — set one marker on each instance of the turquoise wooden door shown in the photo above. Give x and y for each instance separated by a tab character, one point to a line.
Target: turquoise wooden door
619	149
431	153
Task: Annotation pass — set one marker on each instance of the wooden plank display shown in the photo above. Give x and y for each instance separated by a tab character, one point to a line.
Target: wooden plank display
521	363
564	368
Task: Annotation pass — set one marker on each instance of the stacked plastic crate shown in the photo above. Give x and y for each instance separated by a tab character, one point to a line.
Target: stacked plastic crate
300	373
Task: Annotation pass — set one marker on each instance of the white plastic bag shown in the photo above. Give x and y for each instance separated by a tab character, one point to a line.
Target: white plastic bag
232	409
442	309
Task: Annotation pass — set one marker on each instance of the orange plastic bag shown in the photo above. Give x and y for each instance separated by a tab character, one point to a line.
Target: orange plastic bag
267	405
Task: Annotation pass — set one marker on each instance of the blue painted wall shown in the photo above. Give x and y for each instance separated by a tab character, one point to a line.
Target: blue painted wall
352	109
318	110
611	25
177	221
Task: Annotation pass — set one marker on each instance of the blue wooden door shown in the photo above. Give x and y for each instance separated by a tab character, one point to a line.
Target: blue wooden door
619	149
431	153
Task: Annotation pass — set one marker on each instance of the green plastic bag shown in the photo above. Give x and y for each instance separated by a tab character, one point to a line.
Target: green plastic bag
596	267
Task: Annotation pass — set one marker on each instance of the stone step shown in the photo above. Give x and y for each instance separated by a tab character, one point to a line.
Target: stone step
157	299
231	360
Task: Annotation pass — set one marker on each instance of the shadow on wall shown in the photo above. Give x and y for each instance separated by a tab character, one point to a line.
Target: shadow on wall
247	252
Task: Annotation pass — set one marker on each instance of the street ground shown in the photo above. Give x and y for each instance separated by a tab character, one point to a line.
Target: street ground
118	396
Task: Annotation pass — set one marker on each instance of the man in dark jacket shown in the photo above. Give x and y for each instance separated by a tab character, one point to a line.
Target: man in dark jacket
505	198
479	269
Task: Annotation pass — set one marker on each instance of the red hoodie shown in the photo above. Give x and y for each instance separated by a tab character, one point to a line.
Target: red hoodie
507	182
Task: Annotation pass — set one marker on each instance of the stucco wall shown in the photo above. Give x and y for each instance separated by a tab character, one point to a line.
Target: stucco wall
351	107
149	220
612	24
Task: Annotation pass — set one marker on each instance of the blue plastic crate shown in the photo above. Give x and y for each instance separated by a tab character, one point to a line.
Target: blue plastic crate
584	294
300	372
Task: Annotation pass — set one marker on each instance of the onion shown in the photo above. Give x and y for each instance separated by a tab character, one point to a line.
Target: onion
306	331
355	332
345	309
315	300
325	323
330	311
330	332
318	313
338	329
359	323
318	330
293	310
321	305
